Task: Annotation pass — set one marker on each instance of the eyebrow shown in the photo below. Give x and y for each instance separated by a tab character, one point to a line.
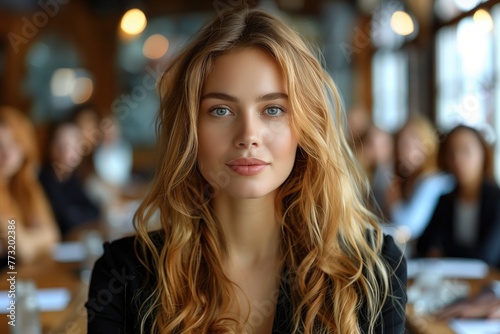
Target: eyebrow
227	97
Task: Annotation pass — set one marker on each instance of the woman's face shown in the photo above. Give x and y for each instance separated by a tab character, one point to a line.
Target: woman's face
11	153
465	156
411	151
66	147
88	122
244	114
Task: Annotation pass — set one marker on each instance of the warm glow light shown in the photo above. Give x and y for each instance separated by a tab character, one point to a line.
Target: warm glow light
402	23
156	46
133	22
60	84
483	20
81	90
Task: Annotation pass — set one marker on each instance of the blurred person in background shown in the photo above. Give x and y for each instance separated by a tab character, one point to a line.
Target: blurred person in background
71	205
358	124
87	118
378	158
21	197
113	160
111	185
417	183
466	222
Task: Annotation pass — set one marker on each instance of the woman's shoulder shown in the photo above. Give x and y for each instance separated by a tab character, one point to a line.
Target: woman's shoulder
391	253
117	287
394	257
122	252
491	188
390	250
392	318
393	310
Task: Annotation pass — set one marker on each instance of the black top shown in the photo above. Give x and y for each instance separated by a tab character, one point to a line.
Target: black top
441	229
70	203
118	276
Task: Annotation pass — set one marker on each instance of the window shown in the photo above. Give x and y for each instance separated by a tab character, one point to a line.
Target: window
468	72
465	75
468	75
390	89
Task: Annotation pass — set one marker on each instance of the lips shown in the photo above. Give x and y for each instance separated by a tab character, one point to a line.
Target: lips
247	166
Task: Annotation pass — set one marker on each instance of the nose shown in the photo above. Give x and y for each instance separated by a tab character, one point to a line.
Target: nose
248	131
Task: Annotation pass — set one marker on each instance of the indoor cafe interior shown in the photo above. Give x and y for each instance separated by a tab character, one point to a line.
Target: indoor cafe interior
419	82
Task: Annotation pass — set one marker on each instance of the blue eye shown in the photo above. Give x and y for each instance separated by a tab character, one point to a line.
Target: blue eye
274	111
220	111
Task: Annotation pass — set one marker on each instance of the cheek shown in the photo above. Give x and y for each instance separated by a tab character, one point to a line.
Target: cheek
210	145
13	160
405	150
477	160
16	155
284	145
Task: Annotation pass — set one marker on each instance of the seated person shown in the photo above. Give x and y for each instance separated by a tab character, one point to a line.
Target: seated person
378	161
279	245
87	118
113	160
466	222
418	183
23	203
71	205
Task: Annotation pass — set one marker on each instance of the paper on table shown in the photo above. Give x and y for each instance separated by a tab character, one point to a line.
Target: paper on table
478	326
449	267
69	252
49	299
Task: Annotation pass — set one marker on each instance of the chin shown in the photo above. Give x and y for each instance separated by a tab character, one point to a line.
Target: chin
242	194
247	192
250	196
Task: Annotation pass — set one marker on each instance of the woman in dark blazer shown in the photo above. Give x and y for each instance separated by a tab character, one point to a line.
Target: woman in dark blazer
466	222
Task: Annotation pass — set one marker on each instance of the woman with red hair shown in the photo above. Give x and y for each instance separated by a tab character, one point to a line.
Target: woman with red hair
22	200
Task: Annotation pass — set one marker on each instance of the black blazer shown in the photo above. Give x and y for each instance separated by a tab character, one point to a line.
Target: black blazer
70	203
440	231
117	292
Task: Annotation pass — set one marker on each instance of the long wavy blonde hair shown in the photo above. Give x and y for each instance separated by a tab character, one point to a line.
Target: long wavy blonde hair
336	268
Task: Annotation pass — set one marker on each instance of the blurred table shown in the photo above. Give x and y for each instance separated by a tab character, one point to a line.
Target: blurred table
426	324
47	273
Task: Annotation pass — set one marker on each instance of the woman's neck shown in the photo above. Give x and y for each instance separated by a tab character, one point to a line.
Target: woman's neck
252	232
61	171
470	191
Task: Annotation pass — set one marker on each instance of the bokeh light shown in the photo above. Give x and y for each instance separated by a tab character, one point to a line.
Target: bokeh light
483	20
155	47
402	23
81	90
62	79
133	22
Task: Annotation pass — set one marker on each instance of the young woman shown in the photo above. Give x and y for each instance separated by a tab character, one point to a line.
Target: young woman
21	197
466	222
63	187
87	118
417	182
260	200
